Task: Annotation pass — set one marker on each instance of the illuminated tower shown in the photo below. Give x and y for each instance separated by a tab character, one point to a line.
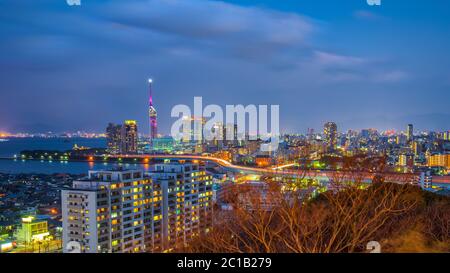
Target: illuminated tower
152	114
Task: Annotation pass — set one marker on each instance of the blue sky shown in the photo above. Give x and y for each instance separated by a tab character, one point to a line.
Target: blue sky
68	68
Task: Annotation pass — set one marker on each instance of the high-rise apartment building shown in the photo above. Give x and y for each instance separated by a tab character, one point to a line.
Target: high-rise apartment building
109	211
330	134
122	138
186	191
127	211
129	137
113	136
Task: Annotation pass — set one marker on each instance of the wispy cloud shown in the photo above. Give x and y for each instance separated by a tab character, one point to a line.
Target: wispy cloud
332	59
391	76
245	31
104	50
368	15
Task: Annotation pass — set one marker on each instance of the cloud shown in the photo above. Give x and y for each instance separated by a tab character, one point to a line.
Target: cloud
244	32
343	68
332	59
75	59
367	15
391	76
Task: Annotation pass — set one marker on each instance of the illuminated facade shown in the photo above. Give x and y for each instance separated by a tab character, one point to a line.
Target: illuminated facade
153	115
129	137
127	211
109	211
330	134
33	229
163	144
186	212
263	161
439	160
406	160
113	137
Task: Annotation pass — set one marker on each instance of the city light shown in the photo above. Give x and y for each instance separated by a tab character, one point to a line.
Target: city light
300	139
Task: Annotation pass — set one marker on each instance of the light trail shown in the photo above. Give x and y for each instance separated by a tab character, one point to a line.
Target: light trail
363	176
284	166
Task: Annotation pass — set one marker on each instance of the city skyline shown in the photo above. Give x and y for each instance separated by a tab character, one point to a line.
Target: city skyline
357	65
225	128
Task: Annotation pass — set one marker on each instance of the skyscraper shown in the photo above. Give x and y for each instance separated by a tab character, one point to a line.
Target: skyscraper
410	133
186	192
126	211
113	136
330	134
109	211
152	114
129	137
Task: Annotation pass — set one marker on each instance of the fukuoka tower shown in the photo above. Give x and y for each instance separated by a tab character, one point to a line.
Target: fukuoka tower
152	114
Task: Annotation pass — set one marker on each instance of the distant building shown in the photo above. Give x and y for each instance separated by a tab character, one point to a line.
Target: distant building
402	140
406	160
163	144
330	134
122	138
113	137
417	148
439	160
33	229
410	133
129	137
425	180
263	160
230	131
446	135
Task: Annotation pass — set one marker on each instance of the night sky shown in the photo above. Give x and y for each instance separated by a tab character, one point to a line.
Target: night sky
67	68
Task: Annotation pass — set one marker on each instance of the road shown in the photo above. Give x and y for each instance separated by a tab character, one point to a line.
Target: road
318	174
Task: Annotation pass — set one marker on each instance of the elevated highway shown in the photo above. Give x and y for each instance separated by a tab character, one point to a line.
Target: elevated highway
321	175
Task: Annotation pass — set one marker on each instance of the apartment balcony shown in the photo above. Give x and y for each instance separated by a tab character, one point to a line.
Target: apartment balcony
75	207
76	222
76	200
75	229
75	236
